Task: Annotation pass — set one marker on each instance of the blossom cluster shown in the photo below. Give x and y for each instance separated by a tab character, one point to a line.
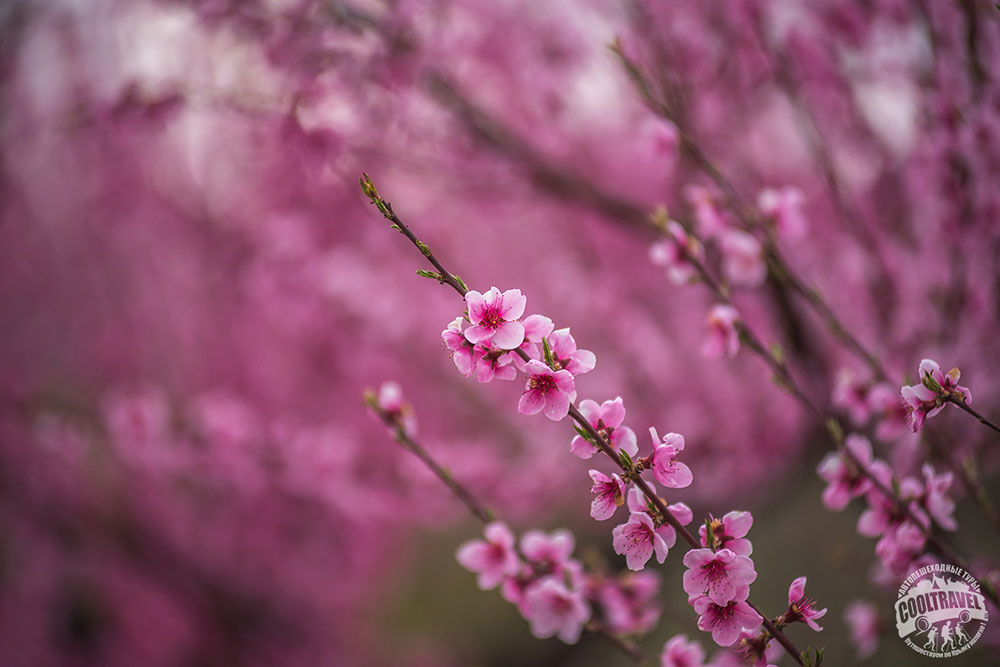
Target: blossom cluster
541	579
552	590
900	520
492	340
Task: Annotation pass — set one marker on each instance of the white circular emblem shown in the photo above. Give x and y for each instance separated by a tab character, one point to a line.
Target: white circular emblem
940	610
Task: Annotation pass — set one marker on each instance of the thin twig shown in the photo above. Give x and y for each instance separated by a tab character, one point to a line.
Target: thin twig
965	406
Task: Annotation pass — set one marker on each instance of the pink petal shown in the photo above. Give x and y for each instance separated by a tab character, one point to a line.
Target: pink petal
625	439
581	448
557	406
508	335
477	334
613	412
512	304
531	402
582	361
537	327
737	523
592	412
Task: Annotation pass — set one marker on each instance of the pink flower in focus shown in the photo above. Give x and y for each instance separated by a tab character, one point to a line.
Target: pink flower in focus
639	539
606	419
551	552
801	608
680	652
723	337
924	400
609	495
463	353
494	364
729	532
709	219
536	327
742	258
553	609
637	502
725	622
666	468
936	499
672	254
844	480
721	575
494	318
920	403
948	382
565	355
548	390
493	559
784	206
862	621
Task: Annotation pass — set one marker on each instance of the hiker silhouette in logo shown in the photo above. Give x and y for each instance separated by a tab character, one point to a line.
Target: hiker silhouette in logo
960	634
931	639
946	637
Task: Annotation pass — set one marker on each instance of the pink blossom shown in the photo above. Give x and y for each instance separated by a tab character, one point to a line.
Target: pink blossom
936	499
722	575
730	532
494	364
844	480
390	400
606	419
889	410
536	327
550	552
609	495
637	502
494	318
565	355
850	394
673	254
548	390
709	219
463	353
553	609
920	403
784	207
899	545
924	400
862	620
946	383
723	336
493	559
666	468
725	622
639	539
628	603
680	652
742	258
801	608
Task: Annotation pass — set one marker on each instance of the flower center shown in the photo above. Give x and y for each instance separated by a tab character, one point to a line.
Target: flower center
491	317
542	383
